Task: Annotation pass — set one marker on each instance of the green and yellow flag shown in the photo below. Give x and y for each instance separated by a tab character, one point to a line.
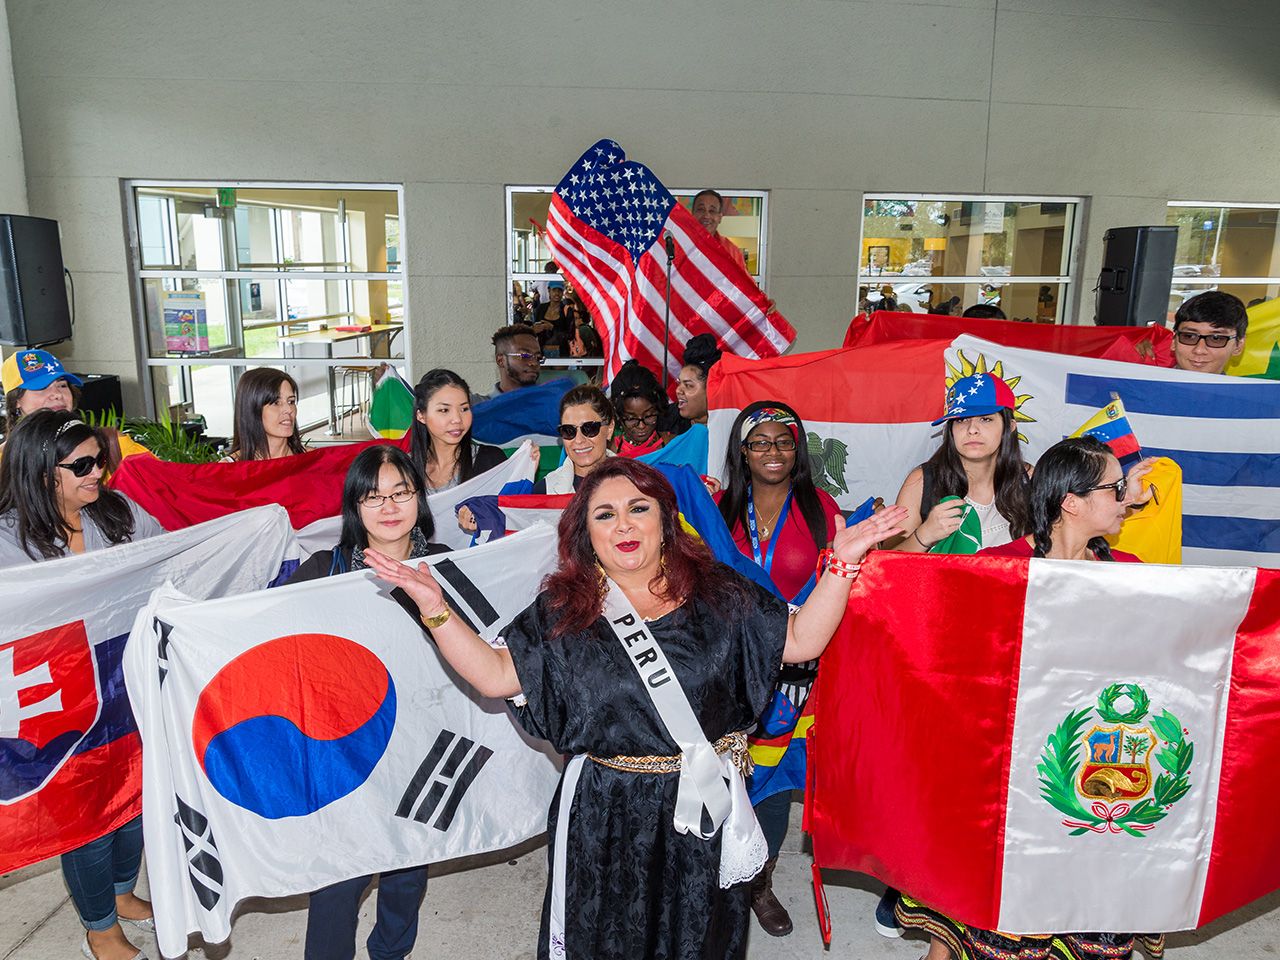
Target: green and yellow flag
1261	356
391	409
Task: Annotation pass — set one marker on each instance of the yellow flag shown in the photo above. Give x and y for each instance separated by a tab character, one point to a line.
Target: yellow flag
1261	356
1154	533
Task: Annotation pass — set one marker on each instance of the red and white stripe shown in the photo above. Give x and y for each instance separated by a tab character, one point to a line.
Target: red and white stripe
710	293
935	702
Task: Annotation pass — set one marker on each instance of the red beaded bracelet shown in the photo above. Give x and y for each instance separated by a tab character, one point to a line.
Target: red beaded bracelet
827	560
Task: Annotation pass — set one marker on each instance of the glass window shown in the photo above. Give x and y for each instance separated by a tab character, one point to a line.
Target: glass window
743	222
305	275
1234	248
946	254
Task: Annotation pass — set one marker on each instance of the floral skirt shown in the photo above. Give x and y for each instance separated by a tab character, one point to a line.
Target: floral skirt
972	943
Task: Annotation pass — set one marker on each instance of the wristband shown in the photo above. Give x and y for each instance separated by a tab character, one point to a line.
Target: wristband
827	560
439	620
927	546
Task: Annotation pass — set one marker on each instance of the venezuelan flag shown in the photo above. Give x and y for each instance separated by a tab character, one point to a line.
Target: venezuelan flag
1111	426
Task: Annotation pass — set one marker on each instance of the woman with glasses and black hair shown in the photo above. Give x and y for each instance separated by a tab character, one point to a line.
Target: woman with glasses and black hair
780	519
586	426
384	507
640	406
440	439
53	504
266	424
1079	496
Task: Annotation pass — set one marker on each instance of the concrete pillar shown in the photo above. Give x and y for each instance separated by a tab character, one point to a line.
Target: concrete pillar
13	176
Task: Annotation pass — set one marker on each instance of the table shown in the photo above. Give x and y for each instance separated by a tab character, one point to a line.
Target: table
327	338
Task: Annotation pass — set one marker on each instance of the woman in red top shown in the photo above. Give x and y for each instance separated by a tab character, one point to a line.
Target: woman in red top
782	521
1079	496
641	407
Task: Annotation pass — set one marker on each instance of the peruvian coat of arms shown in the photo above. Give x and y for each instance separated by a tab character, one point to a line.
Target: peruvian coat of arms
1096	767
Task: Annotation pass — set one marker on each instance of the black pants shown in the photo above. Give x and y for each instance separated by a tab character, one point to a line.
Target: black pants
331	918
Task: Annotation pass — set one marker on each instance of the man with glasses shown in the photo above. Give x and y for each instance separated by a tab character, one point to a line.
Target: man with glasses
1209	330
519	358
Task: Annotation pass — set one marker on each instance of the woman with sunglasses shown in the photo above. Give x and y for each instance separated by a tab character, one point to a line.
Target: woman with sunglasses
52	504
1079	496
586	426
384	508
640	406
266	424
440	439
780	519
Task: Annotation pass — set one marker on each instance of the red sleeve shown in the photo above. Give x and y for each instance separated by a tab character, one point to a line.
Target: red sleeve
831	510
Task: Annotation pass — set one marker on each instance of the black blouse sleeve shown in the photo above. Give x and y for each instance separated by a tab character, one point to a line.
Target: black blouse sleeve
541	670
486	458
761	635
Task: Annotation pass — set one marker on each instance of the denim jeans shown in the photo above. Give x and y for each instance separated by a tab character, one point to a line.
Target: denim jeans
774	814
331	917
100	871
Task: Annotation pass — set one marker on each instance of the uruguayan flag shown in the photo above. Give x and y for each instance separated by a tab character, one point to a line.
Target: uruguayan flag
1223	431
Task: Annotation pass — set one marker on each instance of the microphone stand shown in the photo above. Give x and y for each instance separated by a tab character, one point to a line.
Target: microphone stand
670	242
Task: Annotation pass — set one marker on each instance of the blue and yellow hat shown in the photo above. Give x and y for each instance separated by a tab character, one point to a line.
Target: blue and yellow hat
978	395
34	370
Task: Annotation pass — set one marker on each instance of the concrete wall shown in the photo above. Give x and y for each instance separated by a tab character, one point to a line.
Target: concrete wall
817	101
13	178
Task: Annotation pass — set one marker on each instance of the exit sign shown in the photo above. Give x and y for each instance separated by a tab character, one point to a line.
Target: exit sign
226	196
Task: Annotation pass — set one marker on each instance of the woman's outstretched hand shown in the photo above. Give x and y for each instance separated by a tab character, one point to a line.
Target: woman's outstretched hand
852	543
417	581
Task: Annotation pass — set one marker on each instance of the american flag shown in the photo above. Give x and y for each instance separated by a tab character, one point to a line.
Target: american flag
605	230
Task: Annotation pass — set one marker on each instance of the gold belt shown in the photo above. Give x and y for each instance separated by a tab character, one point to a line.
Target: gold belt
734	744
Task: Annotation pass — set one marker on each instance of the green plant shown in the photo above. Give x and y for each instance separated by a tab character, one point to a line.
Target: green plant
167	440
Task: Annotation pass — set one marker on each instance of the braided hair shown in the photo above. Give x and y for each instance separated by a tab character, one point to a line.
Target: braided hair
1069	466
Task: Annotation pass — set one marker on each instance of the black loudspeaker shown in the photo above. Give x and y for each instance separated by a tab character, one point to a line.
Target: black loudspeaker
33	291
1137	274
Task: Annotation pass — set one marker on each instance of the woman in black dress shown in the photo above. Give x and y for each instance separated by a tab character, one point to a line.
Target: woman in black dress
625	880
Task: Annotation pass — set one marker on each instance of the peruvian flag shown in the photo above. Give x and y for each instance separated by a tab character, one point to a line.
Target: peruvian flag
1041	746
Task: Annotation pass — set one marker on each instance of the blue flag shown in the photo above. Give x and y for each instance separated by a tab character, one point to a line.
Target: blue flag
689	449
530	413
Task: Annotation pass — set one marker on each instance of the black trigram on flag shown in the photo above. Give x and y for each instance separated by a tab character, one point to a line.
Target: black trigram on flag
203	865
162	654
443	777
464	596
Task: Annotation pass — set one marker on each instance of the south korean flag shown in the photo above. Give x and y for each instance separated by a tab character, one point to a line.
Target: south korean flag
311	733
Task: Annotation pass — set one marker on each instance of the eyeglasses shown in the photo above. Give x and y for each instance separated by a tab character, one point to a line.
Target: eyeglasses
526	357
373	501
1189	338
634	421
589	429
1121	487
83	466
782	445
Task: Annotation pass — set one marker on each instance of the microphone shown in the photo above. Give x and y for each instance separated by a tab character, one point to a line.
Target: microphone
670	242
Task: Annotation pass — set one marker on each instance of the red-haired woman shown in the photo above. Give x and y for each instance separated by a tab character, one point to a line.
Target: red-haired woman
645	660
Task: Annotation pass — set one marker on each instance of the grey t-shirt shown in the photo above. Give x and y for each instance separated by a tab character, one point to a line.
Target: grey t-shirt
12	554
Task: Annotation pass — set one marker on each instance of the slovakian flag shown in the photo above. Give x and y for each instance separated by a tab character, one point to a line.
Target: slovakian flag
1092	748
1111	426
70	758
301	736
606	229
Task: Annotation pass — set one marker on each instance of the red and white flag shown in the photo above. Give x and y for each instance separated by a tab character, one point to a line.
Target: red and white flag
605	229
1041	746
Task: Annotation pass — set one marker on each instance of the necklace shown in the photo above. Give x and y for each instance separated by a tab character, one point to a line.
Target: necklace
766	525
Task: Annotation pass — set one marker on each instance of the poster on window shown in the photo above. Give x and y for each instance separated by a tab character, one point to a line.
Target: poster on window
186	321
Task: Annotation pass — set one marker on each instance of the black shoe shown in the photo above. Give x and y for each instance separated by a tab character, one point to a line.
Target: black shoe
886	923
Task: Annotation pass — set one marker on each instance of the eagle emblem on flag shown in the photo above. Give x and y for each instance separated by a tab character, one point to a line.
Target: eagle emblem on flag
1095	768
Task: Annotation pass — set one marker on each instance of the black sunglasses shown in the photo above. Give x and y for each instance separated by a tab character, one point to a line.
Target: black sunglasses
1189	338
1121	487
590	429
83	466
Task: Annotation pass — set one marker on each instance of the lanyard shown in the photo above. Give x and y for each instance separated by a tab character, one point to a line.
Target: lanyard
767	562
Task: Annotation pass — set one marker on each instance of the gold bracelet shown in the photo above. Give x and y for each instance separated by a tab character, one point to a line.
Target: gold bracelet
440	619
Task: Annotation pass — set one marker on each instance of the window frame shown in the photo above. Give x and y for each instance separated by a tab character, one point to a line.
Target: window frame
1069	282
140	274
1222	279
